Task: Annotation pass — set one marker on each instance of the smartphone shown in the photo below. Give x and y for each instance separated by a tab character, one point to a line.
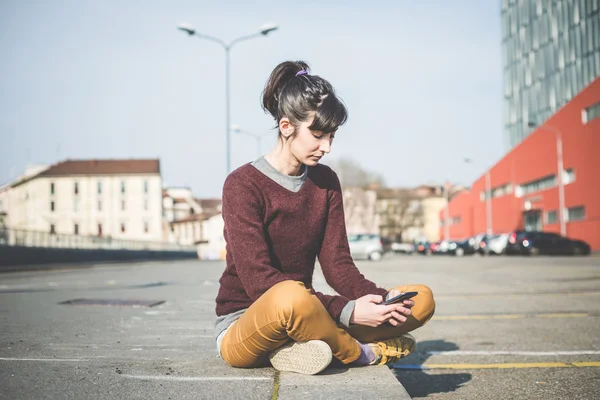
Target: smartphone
401	297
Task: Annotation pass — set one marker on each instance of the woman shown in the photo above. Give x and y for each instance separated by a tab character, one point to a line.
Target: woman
283	211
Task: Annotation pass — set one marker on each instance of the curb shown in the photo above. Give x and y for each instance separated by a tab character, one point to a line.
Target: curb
375	382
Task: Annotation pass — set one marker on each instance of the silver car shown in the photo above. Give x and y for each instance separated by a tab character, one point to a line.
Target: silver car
366	246
497	243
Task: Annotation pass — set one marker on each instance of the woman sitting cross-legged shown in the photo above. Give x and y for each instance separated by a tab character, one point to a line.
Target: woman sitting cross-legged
283	211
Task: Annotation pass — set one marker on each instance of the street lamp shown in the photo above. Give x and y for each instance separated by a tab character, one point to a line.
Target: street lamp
488	198
191	31
559	175
257	137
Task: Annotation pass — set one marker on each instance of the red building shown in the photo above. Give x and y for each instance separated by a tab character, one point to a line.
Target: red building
524	184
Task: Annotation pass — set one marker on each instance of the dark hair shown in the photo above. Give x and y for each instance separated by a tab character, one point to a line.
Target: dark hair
294	97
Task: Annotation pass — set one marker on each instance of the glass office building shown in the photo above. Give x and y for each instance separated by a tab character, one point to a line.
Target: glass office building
551	51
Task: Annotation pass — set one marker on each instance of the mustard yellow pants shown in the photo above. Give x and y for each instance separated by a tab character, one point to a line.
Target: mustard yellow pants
288	311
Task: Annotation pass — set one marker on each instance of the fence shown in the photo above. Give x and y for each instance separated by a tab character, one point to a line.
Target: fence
24	238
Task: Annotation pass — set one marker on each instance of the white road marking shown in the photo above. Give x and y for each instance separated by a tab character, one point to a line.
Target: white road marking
197	378
160	312
42	359
513	353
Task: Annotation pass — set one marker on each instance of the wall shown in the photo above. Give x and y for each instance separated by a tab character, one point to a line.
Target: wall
17	255
535	158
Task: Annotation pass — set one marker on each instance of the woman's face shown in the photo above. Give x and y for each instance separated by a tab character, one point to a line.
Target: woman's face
308	147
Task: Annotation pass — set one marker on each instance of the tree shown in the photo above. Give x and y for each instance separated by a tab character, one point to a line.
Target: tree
398	210
360	210
352	174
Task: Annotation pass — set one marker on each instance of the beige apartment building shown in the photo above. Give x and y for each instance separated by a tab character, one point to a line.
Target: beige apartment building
121	199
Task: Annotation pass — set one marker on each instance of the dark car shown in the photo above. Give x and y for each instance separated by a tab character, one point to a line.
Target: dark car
534	243
461	248
423	248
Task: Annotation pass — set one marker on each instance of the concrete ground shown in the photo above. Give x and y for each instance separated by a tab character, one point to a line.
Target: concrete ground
505	327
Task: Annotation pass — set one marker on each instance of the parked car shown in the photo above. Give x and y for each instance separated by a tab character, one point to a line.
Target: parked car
476	240
534	243
423	248
434	248
366	246
386	243
461	248
406	248
495	244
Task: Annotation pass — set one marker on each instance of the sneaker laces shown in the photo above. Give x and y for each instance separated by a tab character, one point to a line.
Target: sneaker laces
392	354
392	350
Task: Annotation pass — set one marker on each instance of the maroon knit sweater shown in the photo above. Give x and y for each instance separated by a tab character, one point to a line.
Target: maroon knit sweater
274	234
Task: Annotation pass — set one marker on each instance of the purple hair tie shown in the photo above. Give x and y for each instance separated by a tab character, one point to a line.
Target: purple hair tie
301	72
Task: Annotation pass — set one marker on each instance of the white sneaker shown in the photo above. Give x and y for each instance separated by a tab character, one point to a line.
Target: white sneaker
308	358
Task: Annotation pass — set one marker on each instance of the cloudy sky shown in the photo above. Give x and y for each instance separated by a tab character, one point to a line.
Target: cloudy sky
84	79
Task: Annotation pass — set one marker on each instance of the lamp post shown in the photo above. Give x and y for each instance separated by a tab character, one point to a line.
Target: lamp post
264	30
257	137
559	175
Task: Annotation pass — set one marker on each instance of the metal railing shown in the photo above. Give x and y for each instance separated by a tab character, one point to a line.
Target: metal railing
16	237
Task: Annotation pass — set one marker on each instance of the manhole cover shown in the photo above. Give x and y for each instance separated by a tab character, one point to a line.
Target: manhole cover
112	302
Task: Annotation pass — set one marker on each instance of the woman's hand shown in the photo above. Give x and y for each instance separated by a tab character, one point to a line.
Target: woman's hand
369	312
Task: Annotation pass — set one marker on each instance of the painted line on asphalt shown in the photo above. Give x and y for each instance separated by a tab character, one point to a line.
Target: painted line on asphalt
516	295
425	367
508	316
196	378
43	359
512	353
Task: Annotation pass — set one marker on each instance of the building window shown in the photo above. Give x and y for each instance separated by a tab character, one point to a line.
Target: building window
99	205
122	228
590	113
122	187
455	221
76	229
99	187
51	188
76	205
551	217
76	188
502	190
52	229
146	228
52	206
568	176
146	204
146	187
536	186
576	213
122	205
99	229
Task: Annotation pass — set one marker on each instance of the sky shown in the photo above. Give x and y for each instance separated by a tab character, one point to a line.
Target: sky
80	79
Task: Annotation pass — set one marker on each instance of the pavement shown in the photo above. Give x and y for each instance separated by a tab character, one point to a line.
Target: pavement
512	327
51	350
